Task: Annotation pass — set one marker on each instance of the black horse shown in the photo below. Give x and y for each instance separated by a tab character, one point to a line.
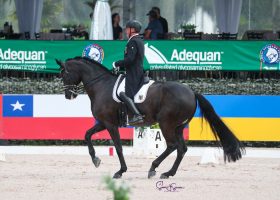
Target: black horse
171	104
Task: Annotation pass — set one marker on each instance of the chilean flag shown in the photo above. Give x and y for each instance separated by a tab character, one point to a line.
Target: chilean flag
50	117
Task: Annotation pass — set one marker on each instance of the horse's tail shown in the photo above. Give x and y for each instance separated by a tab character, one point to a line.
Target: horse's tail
233	149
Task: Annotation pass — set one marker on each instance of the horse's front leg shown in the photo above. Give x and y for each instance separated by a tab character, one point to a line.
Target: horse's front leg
98	127
114	133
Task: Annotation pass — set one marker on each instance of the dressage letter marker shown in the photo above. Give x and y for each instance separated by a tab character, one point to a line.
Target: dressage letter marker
148	141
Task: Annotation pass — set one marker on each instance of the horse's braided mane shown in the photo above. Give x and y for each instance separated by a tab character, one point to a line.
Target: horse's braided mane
90	61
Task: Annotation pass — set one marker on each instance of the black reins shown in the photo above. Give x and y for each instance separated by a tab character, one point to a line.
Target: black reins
92	81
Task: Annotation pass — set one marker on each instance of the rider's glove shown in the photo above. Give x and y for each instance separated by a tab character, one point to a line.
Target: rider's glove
115	68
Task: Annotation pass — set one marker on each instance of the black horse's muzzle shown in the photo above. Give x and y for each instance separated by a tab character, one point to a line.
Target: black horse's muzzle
71	91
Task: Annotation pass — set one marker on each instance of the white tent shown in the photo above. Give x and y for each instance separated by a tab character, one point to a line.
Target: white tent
226	19
101	26
29	14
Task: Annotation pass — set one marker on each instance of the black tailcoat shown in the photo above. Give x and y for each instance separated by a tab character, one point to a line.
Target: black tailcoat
133	64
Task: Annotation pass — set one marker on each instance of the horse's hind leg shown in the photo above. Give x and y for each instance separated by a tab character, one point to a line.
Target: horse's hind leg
181	150
171	146
98	127
156	162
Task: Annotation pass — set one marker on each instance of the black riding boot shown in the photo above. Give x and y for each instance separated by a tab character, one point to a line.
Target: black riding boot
137	117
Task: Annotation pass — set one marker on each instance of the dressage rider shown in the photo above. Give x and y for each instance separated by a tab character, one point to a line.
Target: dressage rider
133	64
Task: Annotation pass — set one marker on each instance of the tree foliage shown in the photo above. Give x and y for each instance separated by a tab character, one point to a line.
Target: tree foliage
51	9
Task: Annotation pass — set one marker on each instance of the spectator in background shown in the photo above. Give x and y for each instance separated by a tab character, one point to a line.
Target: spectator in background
117	29
162	20
154	29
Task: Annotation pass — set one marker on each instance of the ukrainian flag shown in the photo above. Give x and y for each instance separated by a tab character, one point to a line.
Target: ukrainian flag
251	118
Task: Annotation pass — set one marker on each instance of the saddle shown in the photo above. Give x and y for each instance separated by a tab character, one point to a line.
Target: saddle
141	94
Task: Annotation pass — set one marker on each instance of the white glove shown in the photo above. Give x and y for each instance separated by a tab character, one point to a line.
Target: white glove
115	68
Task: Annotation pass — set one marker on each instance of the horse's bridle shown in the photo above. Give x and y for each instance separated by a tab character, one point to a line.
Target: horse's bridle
75	89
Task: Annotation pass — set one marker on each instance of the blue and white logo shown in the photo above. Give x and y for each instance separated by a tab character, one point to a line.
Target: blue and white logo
270	54
94	52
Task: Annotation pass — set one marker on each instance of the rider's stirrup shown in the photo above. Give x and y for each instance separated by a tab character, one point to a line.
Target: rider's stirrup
136	119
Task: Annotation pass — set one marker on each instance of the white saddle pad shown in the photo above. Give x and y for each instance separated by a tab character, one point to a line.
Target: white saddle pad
138	98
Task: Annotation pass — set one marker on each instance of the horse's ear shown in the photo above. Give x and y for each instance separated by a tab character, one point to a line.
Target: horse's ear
60	63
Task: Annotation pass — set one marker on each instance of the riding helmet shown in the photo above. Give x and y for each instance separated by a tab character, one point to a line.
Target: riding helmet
134	24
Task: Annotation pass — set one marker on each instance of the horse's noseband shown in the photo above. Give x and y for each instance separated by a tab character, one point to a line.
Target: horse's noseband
74	89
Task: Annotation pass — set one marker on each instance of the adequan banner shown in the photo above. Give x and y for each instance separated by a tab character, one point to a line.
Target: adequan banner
39	56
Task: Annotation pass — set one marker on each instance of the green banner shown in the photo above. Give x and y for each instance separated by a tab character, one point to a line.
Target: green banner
39	56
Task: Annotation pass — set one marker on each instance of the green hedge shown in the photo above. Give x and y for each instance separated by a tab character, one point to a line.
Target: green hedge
201	85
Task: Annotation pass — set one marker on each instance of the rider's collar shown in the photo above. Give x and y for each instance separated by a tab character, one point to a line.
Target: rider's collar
132	36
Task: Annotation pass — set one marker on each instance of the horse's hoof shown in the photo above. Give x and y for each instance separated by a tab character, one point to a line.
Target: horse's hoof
151	174
163	176
117	176
96	161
